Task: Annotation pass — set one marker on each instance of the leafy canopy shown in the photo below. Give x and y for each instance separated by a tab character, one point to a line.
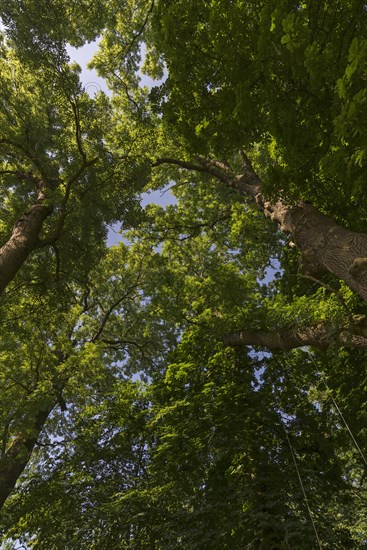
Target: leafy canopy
160	436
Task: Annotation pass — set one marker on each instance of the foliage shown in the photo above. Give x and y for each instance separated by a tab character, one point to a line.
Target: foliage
156	434
245	64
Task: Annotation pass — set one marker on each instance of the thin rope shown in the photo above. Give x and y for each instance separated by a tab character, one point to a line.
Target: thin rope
303	488
346	425
342	416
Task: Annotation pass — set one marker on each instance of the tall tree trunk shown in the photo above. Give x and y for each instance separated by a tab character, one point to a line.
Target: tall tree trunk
17	455
18	447
23	240
324	245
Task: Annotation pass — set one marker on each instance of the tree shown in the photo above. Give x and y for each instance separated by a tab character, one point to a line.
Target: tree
260	120
299	154
63	182
206	460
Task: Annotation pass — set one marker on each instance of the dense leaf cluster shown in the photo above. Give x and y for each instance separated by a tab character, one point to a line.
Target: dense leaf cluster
125	420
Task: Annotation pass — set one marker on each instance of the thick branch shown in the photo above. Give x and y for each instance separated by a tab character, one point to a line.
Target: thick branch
319	336
247	184
25	235
324	245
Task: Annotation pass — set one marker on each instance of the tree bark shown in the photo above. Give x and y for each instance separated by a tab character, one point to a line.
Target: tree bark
324	245
17	449
18	453
23	240
320	336
26	232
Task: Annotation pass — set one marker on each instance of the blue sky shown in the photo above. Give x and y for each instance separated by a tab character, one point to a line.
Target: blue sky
89	77
91	81
94	83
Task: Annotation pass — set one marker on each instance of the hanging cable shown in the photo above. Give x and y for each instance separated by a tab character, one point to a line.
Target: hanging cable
342	417
302	487
346	425
299	475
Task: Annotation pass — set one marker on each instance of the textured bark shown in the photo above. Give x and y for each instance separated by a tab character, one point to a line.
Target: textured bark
324	245
320	336
17	449
18	453
23	240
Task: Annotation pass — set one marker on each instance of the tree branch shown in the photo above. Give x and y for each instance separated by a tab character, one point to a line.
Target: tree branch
140	31
248	183
51	239
78	132
25	153
111	309
319	336
324	244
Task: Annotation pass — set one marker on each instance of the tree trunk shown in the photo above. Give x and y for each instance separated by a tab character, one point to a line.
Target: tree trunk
17	455
324	245
17	449
23	240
